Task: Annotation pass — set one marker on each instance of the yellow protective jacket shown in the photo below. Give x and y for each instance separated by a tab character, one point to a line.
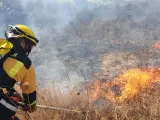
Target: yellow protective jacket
15	66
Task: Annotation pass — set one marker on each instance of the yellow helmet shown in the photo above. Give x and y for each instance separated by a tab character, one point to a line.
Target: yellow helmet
21	31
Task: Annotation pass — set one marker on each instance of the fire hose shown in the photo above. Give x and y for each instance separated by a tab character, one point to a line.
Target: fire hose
52	108
55	108
27	116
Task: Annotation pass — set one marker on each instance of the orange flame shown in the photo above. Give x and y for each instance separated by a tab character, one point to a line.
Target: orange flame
129	84
134	80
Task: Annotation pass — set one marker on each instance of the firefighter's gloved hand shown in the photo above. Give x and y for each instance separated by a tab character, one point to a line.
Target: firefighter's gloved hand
26	108
29	108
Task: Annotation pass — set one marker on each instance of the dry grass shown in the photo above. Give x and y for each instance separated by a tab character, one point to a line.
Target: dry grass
144	106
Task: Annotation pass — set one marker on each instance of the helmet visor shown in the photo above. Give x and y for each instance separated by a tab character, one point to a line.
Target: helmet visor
15	31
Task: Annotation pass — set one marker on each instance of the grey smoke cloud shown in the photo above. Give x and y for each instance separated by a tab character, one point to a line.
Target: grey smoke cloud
47	18
50	18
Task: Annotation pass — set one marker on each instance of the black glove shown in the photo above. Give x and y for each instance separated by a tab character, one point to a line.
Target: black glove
26	108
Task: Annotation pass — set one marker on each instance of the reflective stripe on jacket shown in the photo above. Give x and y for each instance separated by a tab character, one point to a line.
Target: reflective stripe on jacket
8	105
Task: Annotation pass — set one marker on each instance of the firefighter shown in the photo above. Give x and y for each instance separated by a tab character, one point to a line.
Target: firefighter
16	66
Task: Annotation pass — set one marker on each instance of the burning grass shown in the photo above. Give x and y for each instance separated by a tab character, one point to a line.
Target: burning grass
131	93
134	95
143	106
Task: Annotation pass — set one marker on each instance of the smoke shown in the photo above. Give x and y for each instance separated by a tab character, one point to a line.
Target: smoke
75	33
49	18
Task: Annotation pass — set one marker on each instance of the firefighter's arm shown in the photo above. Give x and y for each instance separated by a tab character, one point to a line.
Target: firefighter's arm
28	86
